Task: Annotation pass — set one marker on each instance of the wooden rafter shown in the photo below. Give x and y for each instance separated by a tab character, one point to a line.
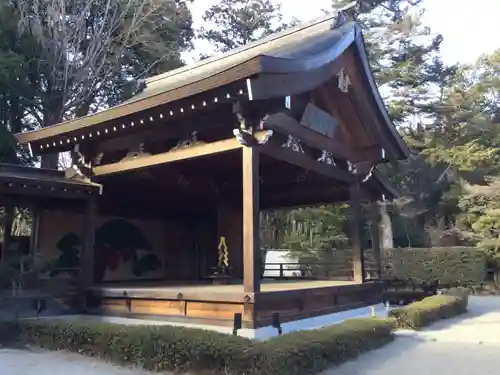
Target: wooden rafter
303	161
285	124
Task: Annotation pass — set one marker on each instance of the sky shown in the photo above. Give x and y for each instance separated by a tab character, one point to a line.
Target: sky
470	28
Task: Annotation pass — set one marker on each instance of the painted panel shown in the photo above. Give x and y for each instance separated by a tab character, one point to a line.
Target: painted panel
124	249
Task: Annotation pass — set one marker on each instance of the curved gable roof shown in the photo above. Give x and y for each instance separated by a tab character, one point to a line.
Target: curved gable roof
300	49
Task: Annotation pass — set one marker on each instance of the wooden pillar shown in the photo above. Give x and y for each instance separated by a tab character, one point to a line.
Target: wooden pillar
7	231
87	253
251	245
375	237
34	238
356	230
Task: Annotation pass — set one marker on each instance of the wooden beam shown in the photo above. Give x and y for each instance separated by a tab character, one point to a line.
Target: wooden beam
251	243
356	230
285	124
204	149
303	161
168	157
301	201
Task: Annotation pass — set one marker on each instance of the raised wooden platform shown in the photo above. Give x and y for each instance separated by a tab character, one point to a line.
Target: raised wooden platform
217	304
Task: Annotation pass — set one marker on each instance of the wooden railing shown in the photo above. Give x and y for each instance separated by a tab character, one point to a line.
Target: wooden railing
311	270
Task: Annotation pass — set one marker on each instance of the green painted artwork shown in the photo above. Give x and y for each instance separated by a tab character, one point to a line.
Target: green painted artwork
117	242
69	257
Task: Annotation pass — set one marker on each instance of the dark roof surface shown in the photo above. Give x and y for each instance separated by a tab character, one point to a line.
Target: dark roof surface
296	49
42	178
301	49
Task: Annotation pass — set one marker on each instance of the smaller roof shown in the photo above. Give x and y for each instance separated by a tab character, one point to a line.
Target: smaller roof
28	181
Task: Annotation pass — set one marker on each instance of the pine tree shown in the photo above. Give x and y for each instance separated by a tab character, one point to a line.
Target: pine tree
17	56
404	57
234	23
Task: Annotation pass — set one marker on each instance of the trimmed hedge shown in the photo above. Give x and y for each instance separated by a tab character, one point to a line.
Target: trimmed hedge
310	352
154	348
166	348
449	265
431	309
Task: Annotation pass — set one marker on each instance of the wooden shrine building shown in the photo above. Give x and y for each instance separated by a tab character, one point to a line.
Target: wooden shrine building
187	164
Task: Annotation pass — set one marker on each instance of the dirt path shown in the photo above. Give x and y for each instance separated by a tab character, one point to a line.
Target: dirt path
465	346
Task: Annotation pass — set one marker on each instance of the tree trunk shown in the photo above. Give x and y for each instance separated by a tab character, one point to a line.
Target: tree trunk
386	236
50	161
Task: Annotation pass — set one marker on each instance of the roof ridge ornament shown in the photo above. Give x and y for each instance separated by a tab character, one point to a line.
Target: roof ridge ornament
346	14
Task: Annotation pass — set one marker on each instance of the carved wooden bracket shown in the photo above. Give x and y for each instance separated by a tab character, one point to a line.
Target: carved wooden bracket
245	137
245	132
80	169
74	173
98	158
344	80
363	170
137	153
327	158
294	144
189	142
369	174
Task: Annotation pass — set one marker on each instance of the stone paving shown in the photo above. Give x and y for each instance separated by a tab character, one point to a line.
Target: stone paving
463	346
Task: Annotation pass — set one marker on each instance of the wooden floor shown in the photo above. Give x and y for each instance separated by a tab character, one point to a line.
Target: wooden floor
205	292
218	304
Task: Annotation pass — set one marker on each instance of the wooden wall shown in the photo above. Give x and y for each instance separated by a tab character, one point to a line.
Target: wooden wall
230	225
129	249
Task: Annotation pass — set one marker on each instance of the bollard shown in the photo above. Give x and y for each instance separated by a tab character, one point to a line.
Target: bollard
236	323
277	323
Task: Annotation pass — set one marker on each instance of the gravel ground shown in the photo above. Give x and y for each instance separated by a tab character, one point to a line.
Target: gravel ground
468	345
37	362
465	346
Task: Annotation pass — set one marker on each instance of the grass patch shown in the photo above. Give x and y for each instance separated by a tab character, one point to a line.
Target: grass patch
431	309
166	348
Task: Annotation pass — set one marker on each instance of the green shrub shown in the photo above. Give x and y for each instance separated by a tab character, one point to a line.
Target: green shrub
309	352
165	348
431	309
154	348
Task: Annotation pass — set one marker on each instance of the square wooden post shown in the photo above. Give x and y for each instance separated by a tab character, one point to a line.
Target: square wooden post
7	232
251	240
35	236
356	226
87	253
375	236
